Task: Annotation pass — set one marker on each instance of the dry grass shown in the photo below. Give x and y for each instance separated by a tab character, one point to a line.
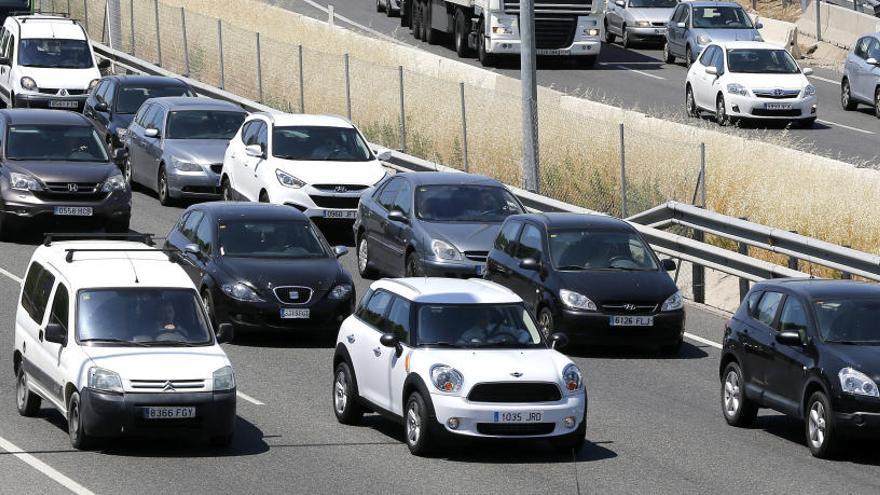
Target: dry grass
788	11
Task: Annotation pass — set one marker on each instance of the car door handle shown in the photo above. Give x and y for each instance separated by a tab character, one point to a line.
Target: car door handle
377	351
350	338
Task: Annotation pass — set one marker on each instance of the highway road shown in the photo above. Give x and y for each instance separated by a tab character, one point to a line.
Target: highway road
654	427
638	79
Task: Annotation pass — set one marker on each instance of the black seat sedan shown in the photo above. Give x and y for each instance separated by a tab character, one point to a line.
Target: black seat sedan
591	277
810	349
263	267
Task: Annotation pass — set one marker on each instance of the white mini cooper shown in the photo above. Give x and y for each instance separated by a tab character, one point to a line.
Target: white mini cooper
456	357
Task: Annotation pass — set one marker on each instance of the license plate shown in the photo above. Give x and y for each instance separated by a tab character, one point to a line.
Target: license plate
560	51
294	313
519	417
777	106
340	214
73	211
632	321
169	412
63	104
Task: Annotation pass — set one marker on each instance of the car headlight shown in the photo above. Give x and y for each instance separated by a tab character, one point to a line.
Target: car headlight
28	83
591	32
241	292
572	378
703	39
24	182
643	24
577	301
114	183
737	89
288	180
184	166
341	291
444	251
857	383
809	90
446	378
224	379
106	380
674	302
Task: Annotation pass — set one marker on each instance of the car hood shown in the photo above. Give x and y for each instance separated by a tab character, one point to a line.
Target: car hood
266	273
464	236
652	287
864	358
496	365
201	151
770	81
722	35
652	15
158	363
64	171
61	78
329	172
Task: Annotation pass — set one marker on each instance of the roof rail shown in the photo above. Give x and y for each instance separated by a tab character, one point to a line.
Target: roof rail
144	238
40	16
70	252
404	284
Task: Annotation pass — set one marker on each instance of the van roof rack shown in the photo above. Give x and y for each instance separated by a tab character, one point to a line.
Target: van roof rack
29	16
70	252
66	236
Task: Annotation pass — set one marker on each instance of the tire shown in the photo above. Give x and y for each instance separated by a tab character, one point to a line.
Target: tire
805	123
28	402
221	441
546	322
822	436
668	57
389	11
737	409
226	191
486	59
264	197
625	41
78	437
345	401
127	171
406	14
432	36
364	265
380	6
688	56
11	100
846	100
412	268
609	36
208	302
162	188
690	104
460	35
721	112
877	103
419	20
418	433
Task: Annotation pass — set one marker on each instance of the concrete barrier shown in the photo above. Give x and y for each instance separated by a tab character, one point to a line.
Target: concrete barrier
839	26
780	33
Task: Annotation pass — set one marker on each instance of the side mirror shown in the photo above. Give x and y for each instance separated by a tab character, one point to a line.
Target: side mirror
192	249
119	154
681	25
759	25
254	150
871	61
4	61
105	63
389	340
620	3
667	264
383	156
558	340
807	71
712	71
789	338
102	106
530	264
151	132
225	333
55	334
397	216
340	251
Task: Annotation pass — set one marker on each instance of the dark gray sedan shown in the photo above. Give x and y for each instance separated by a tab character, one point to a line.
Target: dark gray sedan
430	223
175	146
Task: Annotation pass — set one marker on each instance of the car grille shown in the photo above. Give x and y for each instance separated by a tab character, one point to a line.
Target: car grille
85	191
629	308
201	189
480	256
574	7
293	294
515	429
217	168
344	202
763	112
514	392
659	24
344	188
54	91
781	94
167	385
554	32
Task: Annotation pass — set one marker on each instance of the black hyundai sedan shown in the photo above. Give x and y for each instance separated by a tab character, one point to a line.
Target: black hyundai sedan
263	267
591	277
810	349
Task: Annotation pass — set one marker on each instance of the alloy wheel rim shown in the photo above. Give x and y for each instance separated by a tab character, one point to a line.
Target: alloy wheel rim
817	424
340	398
163	186
722	111
413	424
362	256
128	170
21	394
73	422
877	104
844	95
546	322
732	394
690	102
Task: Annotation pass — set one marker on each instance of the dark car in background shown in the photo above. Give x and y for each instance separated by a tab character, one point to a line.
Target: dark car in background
115	100
591	277
55	166
810	349
263	267
430	223
8	7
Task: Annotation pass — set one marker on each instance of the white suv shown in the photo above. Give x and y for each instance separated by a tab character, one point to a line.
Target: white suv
318	164
46	62
114	336
456	357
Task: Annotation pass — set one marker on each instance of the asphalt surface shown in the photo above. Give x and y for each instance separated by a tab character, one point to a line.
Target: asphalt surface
638	79
655	426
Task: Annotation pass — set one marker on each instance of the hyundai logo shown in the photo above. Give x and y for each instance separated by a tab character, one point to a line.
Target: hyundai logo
341	189
516	374
629	307
73	187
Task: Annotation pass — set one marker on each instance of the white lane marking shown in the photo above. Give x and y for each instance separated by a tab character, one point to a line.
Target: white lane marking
832	81
10	275
353	23
44	468
833	124
643	73
702	340
249	399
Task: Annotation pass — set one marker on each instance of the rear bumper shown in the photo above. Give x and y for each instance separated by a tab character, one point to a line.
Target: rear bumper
595	328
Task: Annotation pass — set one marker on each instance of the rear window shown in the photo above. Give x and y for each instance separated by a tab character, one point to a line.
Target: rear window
37	288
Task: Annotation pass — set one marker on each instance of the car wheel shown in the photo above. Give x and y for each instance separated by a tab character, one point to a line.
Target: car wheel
208	303
28	402
415	15
226	190
877	103
264	197
345	403
688	56
380	6
389	11
432	36
668	57
609	36
486	58
413	269
625	41
364	264
422	8
417	426
546	323
460	35
822	437
846	100
738	409
164	196
126	170
690	103
721	112
78	437
405	18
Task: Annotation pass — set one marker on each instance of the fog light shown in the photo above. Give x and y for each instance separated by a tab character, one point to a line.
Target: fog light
736	108
569	421
813	110
452	423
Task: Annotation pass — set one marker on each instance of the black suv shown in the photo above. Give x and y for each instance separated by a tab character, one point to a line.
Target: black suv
55	166
591	277
810	349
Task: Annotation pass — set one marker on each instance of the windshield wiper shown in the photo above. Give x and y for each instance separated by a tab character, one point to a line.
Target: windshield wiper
173	343
114	341
440	344
571	267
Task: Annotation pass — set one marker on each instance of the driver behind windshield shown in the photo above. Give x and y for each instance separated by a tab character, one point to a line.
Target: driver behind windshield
476	325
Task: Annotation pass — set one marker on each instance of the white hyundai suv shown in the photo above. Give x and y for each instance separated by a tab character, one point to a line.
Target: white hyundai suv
114	336
318	164
456	357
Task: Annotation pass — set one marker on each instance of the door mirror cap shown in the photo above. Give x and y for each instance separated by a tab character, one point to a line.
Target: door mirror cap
105	63
55	334
384	155
225	333
254	150
340	251
681	25
789	338
102	106
807	71
759	25
712	71
4	61
151	132
558	340
667	264
530	264
192	249
389	340
620	3
871	61
397	216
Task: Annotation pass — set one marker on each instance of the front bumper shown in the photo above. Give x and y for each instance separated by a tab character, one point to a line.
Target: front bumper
204	184
576	49
857	415
647	33
25	206
325	314
108	414
474	416
453	269
317	204
49	101
595	328
751	107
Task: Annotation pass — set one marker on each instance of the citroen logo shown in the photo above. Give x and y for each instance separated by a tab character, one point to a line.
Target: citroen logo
73	187
341	189
778	92
516	374
169	387
629	307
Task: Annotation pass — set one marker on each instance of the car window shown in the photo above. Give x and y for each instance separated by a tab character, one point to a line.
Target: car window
686	16
343	144
150	116
141	117
107	92
529	243
280	239
707	56
263	137
389	193
403	200
57	143
247	130
768	307
678	15
204	237
157	118
761	61
253	133
60	307
874	49
100	87
4	43
476	325
718	61
793	317
204	124
130	98
398	319
592	249
374	313
362	305
189	227
506	240
465	203
55	53
37	288
752	302
721	17
861	49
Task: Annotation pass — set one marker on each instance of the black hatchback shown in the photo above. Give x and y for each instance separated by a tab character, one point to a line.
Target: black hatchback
591	277
810	349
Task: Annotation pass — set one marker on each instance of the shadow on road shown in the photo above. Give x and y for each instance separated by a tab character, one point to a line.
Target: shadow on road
855	450
687	351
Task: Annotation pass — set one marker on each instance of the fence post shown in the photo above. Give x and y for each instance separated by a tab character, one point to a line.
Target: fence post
699	274
158	37
347	86
464	142
68	8
743	248
131	19
330	15
402	111
703	175
302	79
86	15
792	261
259	70
845	275
185	41
623	212
220	45
818	19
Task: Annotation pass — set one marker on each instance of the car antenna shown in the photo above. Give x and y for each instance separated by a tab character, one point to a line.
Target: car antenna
133	268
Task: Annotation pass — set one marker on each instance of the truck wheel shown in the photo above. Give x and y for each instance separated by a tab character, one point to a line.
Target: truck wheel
380	6
486	59
432	36
609	36
460	34
406	14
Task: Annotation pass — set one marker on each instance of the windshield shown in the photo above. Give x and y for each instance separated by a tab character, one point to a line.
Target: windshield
851	321
721	18
341	144
55	53
270	239
203	124
54	143
465	203
652	4
757	61
156	316
600	250
476	325
130	98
